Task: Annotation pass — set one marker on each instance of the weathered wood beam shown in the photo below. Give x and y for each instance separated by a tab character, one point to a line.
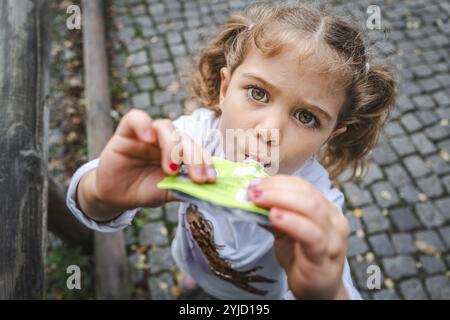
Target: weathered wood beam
109	248
24	86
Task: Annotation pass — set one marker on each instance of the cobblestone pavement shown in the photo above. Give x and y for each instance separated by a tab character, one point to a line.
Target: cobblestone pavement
399	212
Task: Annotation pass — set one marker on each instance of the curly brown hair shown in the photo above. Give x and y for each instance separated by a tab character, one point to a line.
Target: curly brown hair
370	86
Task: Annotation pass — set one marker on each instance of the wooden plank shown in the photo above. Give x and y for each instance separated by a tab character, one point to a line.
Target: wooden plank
62	222
24	85
109	248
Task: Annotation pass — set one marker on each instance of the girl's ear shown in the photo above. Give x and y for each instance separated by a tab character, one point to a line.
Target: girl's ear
224	81
335	133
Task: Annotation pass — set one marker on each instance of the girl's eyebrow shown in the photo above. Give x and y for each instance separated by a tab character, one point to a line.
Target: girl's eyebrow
276	89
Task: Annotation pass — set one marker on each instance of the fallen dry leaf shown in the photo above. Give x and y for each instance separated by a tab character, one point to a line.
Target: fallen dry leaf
386	195
358	213
426	248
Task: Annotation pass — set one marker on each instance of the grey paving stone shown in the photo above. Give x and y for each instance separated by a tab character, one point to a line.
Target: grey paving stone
354	223
374	220
153	233
140	70
442	98
404	219
146	83
429	215
444	144
136	274
431	186
173	37
416	166
141	100
422	102
385	194
427	117
446	182
160	260
383	154
409	193
160	55
161	97
439	165
356	196
163	68
410	122
423	144
402	145
399	267
374	173
403	243
129	236
404	103
171	209
381	245
356	245
385	294
178	49
138	10
159	287
443	206
156	9
429	85
393	129
412	289
438	287
432	265
139	58
437	132
135	45
397	175
445	235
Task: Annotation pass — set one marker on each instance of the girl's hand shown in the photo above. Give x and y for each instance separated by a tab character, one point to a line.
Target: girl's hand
310	235
141	152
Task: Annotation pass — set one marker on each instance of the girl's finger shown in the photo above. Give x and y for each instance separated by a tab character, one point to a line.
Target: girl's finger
292	195
193	159
168	140
209	164
136	124
304	231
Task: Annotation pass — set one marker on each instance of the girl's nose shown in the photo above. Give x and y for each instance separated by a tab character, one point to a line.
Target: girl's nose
270	130
269	136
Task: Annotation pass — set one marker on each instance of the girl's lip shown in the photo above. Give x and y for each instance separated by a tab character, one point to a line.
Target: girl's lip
265	163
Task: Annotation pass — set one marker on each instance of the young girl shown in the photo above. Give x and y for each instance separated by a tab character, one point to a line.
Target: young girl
301	71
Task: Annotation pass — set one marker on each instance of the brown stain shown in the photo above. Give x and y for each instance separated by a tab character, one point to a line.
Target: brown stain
203	233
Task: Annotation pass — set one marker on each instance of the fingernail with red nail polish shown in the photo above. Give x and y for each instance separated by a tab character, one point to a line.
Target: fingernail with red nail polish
256	192
150	135
173	166
278	214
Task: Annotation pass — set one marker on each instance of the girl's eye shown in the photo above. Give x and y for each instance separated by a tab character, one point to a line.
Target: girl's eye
257	94
306	118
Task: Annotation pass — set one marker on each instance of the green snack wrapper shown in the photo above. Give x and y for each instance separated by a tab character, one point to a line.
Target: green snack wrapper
228	193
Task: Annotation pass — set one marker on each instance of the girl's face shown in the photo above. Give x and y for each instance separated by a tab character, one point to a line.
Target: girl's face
279	93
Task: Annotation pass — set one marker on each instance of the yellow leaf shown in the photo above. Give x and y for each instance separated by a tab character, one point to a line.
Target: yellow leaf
358	213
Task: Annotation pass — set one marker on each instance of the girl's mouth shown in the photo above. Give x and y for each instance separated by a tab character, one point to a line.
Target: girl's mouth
265	163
